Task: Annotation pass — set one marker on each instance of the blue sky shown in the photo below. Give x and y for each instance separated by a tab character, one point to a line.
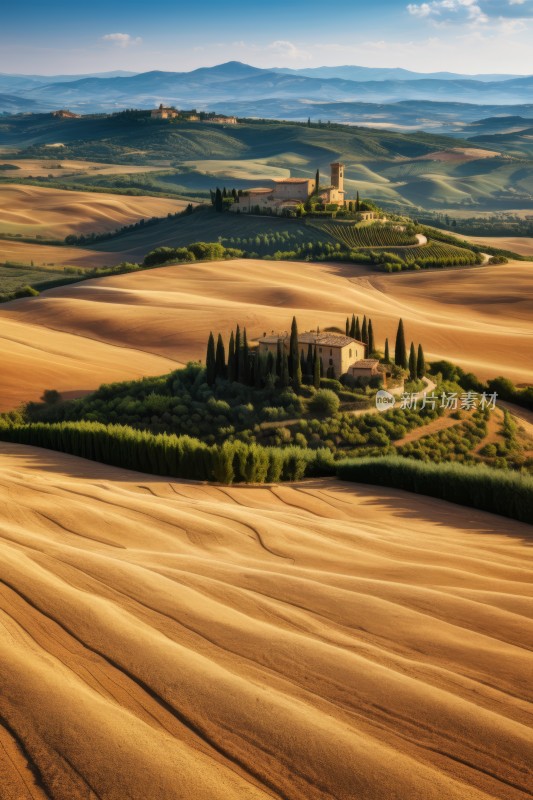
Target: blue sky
456	35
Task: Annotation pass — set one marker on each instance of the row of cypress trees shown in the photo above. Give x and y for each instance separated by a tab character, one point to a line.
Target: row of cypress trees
168	454
362	332
258	368
414	362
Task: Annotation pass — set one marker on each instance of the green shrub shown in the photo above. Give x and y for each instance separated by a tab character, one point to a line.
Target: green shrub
325	402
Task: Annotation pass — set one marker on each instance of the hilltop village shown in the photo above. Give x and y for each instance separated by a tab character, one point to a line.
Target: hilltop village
288	196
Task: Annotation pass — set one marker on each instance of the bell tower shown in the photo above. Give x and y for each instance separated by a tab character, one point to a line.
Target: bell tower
337	176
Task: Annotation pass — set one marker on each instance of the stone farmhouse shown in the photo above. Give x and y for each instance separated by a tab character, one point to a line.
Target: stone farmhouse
220	119
64	113
169	112
164	112
288	193
339	353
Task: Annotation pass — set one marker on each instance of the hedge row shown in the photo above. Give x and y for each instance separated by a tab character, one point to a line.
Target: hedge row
171	455
499	491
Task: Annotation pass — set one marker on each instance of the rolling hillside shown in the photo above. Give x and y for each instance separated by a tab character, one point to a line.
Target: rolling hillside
257	642
55	340
398	170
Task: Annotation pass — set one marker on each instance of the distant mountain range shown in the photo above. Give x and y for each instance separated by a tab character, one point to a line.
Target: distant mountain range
334	93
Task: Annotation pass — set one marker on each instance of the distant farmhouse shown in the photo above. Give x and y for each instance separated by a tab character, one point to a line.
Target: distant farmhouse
220	119
63	113
164	112
289	193
169	112
339	354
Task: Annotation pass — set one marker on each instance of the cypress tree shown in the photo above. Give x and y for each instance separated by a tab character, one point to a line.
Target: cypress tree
244	360
218	200
231	358
412	362
237	353
400	352
259	364
210	367
371	344
295	370
420	363
357	330
357	203
309	364
387	354
285	377
279	359
303	363
353	327
364	331
220	359
270	368
316	369
348	327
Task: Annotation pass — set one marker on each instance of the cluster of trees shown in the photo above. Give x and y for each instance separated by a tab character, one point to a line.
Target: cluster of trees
263	369
198	251
221	199
502	224
414	362
363	333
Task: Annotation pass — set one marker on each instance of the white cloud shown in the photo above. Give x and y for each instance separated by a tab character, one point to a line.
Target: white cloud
122	39
289	50
450	10
423	10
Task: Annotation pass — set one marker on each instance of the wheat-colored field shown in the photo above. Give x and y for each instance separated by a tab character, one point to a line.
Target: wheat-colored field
517	244
54	255
55	213
165	640
38	357
61	168
481	318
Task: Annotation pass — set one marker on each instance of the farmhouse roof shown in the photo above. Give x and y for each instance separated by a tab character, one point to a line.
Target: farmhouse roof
329	339
259	190
365	363
292	180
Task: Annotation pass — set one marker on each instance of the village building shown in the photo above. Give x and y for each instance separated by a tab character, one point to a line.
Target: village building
289	193
164	112
220	119
64	113
337	351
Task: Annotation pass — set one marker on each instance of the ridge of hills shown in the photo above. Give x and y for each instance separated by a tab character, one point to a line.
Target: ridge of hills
234	83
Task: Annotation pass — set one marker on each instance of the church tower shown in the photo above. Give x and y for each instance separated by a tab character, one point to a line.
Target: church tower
337	176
